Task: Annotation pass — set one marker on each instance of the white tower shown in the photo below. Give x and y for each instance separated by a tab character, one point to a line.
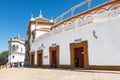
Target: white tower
16	50
38	26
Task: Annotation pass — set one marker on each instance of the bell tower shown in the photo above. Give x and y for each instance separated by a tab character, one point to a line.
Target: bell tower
38	26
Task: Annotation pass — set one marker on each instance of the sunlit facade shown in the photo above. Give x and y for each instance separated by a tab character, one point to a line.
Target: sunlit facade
91	37
16	50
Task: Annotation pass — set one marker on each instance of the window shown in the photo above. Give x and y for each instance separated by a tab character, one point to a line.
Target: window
13	48
21	49
33	34
17	46
13	57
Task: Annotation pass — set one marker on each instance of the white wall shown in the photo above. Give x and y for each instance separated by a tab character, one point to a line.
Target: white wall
33	26
17	58
19	55
38	33
20	46
105	50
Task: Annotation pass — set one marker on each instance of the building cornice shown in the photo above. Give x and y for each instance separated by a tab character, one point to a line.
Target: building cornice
17	42
87	12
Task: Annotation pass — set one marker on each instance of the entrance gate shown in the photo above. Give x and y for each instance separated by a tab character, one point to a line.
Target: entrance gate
32	60
76	51
40	60
79	57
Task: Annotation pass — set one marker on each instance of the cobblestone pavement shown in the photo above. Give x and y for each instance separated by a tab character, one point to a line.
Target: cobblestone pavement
56	74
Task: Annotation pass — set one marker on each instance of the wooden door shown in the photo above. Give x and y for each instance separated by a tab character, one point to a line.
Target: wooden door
80	56
54	57
39	59
32	60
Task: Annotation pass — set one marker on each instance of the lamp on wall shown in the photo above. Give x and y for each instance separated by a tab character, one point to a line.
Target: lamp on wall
42	46
94	34
32	50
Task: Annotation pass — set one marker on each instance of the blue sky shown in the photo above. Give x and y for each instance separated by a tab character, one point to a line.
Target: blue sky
15	14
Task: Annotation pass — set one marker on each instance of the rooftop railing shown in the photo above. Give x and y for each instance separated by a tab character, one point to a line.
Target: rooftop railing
81	22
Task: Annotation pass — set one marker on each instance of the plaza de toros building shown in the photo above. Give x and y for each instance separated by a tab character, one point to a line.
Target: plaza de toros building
91	37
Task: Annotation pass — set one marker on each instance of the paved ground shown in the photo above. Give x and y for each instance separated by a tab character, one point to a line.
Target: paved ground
53	74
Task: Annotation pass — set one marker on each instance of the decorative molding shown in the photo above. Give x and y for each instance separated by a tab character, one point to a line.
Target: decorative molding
101	10
85	18
80	23
114	6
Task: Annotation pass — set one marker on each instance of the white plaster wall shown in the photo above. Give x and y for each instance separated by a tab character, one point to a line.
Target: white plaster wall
17	58
33	26
9	58
19	48
102	51
39	33
106	49
17	54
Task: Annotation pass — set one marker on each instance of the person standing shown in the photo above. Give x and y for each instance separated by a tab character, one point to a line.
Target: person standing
22	64
76	63
18	64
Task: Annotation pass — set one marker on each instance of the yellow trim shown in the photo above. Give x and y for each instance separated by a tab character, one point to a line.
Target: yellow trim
65	66
83	44
40	52
101	9
0	67
46	66
57	54
42	29
110	8
104	67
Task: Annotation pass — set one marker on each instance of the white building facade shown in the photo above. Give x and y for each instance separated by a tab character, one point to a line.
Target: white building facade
16	50
92	37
